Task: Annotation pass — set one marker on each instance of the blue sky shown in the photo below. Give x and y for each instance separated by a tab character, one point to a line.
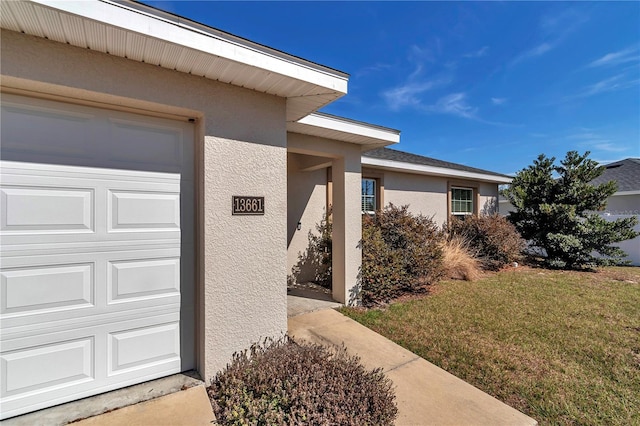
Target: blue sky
486	84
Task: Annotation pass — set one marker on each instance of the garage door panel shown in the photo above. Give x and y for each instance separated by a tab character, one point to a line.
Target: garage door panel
142	279
135	349
35	127
143	211
143	143
27	290
36	209
92	137
56	365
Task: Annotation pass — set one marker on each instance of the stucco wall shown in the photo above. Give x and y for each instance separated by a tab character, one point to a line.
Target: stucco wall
307	195
241	150
488	198
624	204
427	195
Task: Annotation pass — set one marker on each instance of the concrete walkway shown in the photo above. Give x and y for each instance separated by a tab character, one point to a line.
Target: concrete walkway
188	407
425	394
300	301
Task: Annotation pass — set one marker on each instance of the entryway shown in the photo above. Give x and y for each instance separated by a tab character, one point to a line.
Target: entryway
308	297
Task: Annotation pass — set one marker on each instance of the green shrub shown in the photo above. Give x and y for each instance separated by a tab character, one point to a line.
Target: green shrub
283	383
493	239
315	262
401	253
556	212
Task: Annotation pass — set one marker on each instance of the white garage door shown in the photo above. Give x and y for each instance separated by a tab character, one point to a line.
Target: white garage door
96	288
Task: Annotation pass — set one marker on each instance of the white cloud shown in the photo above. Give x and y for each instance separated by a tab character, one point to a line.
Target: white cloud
454	104
552	29
615	58
498	101
478	53
617	82
409	93
586	134
593	140
372	69
609	147
428	53
539	50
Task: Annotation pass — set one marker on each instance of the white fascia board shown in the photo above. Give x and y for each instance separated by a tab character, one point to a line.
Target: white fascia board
355	128
180	33
431	170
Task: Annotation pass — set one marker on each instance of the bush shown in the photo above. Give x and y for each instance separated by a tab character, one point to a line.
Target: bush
493	239
282	382
315	263
459	263
401	253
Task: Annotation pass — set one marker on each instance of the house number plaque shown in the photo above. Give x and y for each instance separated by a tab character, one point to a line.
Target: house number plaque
243	205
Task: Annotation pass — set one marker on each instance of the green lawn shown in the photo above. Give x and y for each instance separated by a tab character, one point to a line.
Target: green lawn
562	347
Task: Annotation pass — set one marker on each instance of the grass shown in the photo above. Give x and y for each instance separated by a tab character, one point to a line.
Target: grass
562	347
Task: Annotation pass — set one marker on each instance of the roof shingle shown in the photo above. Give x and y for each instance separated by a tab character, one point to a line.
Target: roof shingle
625	172
406	157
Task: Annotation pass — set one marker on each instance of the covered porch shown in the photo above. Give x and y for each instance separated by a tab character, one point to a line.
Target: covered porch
324	179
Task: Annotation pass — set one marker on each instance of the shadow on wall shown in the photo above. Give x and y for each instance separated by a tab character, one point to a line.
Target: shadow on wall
490	207
314	264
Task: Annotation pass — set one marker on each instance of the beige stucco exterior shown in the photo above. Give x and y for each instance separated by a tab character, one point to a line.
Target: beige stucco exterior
241	150
429	195
425	195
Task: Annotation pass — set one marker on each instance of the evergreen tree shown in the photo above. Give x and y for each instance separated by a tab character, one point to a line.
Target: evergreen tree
556	210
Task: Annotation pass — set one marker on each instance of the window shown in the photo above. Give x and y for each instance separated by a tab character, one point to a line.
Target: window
461	202
368	196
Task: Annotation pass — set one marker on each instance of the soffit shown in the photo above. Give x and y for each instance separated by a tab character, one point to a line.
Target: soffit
141	33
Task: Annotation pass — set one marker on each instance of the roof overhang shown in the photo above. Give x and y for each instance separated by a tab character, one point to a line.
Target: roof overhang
420	169
145	34
345	130
624	193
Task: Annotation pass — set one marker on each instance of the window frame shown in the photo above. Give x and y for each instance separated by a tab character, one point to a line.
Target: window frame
471	200
374	196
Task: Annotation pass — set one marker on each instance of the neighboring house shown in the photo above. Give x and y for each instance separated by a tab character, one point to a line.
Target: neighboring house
623	203
626	200
626	173
154	175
